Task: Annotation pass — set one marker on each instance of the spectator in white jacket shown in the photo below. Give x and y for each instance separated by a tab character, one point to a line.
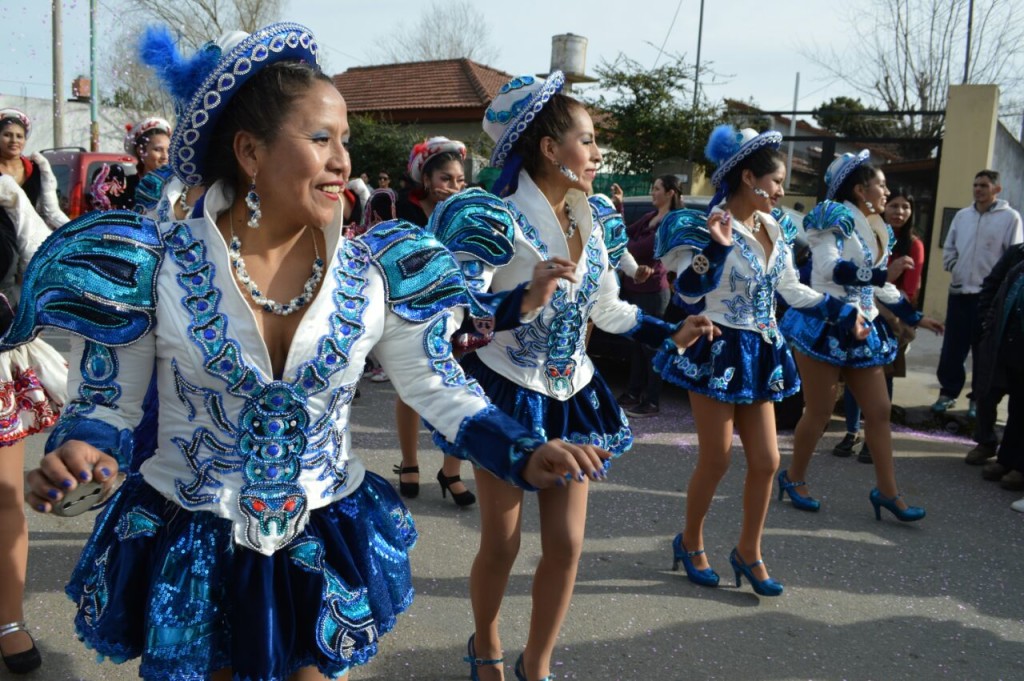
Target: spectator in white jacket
977	239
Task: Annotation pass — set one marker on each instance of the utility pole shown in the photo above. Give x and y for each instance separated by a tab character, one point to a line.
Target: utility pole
94	90
696	85
792	131
58	76
967	52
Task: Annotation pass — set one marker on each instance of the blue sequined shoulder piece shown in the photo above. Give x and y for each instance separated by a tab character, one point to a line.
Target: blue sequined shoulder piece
892	236
421	276
789	228
151	188
830	215
684	227
95	277
613	227
475	223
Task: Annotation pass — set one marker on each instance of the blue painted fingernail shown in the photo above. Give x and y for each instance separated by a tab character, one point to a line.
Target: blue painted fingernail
596	475
52	494
41	507
581	476
66	484
105	471
84	475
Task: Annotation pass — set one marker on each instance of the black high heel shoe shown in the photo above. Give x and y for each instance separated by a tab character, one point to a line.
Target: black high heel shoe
409	490
466	498
25	661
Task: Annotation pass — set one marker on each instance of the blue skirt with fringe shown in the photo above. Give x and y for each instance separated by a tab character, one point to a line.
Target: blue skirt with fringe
592	416
831	344
171	585
738	367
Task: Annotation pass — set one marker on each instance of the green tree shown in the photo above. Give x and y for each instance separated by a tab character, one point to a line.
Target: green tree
648	116
379	145
845	115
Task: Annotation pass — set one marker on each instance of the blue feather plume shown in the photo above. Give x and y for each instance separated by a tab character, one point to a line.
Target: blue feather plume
722	144
181	75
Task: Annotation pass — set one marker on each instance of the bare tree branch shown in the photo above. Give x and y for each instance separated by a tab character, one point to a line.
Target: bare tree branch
445	30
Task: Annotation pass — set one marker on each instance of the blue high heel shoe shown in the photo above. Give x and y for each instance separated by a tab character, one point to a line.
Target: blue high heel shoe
475	661
767	587
907	515
786	486
705	577
521	672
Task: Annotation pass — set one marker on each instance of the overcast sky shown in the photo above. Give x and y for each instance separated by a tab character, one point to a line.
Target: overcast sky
756	44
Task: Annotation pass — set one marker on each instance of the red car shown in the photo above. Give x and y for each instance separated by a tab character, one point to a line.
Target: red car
74	168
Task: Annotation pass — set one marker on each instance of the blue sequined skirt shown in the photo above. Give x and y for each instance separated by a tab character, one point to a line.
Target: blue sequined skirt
591	416
738	367
831	344
170	585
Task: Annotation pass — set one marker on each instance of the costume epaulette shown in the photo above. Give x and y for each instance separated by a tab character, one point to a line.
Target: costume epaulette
422	278
686	228
892	236
612	226
151	188
475	223
786	224
95	277
830	215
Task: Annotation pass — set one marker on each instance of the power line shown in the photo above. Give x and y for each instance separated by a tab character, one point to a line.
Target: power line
664	42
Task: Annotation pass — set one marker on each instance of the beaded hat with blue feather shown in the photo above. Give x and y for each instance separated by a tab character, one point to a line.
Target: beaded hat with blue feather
509	115
841	168
727	147
203	84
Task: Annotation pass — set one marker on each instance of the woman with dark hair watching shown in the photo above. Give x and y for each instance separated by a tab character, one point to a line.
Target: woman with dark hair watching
851	247
539	373
435	165
31	173
253	543
732	263
649	291
899	212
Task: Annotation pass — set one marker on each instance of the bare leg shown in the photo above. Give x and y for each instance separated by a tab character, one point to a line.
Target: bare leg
714	437
819	384
13	545
500	527
563	520
756	426
407	423
868	387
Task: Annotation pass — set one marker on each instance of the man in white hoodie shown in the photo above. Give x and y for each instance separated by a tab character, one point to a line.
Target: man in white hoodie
977	239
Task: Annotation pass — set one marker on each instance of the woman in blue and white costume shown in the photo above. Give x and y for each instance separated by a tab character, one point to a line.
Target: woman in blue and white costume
733	262
539	373
253	543
850	246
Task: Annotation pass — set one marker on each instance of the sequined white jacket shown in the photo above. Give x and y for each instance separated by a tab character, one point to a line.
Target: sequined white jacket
736	284
548	355
850	256
234	440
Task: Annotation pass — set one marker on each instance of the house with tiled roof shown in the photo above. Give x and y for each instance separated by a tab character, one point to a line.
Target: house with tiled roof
445	97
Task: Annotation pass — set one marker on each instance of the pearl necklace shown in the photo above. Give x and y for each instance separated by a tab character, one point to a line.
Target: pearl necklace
268	305
569	233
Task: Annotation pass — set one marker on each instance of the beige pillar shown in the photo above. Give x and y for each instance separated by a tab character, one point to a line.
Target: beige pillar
972	114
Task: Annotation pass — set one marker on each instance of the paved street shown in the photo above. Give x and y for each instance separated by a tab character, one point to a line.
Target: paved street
940	599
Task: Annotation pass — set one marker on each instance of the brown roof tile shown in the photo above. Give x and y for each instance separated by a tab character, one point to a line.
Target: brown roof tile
425	85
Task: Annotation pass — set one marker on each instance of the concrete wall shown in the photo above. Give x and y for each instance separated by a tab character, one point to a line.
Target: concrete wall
971	123
1008	159
76	123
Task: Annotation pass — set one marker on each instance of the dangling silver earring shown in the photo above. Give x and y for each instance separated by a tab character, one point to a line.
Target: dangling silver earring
565	170
760	192
870	206
252	201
